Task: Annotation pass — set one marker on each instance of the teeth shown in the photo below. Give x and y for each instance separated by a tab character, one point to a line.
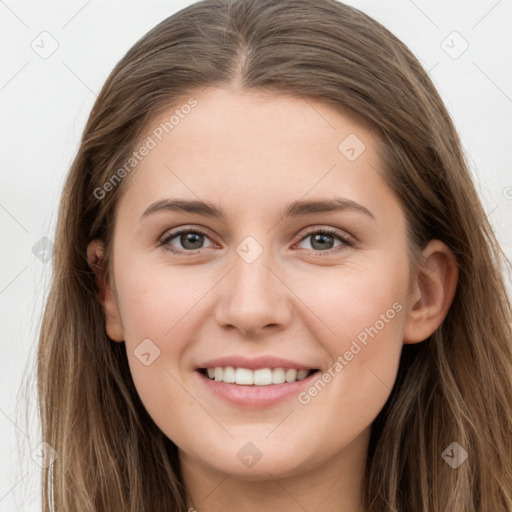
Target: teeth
278	376
260	377
290	375
229	375
242	376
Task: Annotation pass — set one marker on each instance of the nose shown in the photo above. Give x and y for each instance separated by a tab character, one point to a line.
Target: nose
253	297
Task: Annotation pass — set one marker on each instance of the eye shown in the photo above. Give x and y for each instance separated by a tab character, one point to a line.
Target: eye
323	240
191	240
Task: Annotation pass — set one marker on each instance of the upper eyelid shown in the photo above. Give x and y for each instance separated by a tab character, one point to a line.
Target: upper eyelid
343	235
183	229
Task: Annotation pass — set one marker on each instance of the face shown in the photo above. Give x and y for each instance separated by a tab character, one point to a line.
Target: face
323	287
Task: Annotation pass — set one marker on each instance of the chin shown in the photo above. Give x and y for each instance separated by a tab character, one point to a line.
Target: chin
246	463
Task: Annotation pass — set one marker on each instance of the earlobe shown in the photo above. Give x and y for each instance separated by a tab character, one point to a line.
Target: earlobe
106	296
435	286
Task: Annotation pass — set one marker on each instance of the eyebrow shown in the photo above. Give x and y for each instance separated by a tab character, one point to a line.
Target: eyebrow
296	209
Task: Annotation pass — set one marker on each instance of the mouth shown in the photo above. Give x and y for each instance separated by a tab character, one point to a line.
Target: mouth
258	377
255	389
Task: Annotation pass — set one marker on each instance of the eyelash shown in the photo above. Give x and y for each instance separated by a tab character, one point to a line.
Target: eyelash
324	231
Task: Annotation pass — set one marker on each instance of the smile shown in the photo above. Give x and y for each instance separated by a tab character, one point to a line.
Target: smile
249	394
257	377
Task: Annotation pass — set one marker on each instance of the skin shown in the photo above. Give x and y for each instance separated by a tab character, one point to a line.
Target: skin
252	155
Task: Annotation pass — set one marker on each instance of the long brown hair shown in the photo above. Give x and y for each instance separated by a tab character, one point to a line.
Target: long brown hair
454	387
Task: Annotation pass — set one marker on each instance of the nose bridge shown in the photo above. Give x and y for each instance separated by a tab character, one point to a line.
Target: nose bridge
252	296
252	276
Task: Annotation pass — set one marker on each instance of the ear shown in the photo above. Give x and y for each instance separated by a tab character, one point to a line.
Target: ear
432	292
113	324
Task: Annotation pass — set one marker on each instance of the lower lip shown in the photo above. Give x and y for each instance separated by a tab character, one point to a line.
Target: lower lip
253	397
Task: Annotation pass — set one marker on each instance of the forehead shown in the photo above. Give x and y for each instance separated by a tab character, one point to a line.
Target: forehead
246	122
259	148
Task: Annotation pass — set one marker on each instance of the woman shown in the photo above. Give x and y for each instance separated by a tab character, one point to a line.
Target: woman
274	283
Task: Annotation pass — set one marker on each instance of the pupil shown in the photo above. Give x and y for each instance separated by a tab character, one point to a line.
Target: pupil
191	238
321	239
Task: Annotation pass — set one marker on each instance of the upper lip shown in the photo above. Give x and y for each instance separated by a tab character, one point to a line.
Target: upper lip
254	363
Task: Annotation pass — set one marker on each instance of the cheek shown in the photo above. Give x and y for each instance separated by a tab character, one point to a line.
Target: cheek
161	309
362	308
158	301
357	301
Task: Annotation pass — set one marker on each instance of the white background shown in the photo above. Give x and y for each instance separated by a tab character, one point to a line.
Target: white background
45	103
